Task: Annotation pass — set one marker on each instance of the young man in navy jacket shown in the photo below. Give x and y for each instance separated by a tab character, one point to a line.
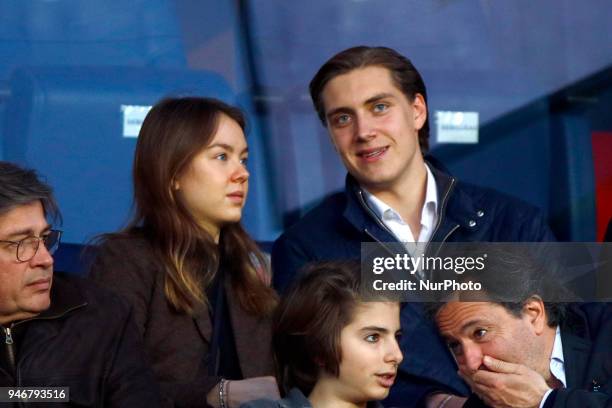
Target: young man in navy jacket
373	102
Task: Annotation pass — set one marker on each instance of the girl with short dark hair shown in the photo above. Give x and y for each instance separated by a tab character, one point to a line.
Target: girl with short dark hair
331	347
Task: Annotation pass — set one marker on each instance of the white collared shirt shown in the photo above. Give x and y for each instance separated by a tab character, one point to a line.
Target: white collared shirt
393	220
557	364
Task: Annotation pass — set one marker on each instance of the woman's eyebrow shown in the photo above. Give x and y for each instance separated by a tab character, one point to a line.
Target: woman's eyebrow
227	147
375	328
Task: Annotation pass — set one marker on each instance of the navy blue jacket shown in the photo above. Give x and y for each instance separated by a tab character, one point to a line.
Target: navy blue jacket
467	213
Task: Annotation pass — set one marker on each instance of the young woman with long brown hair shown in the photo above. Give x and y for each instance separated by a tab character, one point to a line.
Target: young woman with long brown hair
197	281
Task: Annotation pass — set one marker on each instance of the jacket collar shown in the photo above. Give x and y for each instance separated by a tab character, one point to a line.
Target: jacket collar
455	208
576	345
65	297
360	215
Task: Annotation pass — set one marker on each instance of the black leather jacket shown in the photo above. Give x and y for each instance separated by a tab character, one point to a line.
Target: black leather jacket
86	341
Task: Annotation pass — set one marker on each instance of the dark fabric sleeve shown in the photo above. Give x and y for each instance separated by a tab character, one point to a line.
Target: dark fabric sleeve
544	233
561	398
578	398
131	382
550	399
125	268
188	394
535	228
474	402
287	259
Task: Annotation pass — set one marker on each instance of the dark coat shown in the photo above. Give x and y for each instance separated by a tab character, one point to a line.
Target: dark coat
86	341
586	334
177	344
466	213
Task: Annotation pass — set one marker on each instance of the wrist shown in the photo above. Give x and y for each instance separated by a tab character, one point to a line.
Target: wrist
228	400
445	401
223	392
544	397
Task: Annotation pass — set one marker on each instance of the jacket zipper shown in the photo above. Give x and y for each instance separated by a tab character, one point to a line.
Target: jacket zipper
10	348
379	242
378	221
9	336
438	223
442	212
369	210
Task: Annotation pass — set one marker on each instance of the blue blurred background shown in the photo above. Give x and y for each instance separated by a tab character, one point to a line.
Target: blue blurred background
539	74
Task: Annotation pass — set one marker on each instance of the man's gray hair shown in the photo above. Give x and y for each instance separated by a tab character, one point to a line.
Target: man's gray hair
20	186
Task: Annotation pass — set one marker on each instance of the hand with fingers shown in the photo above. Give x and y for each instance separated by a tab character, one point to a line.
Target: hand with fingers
506	385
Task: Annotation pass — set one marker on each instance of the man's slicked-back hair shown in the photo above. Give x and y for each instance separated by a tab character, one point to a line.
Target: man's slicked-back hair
403	74
309	321
20	186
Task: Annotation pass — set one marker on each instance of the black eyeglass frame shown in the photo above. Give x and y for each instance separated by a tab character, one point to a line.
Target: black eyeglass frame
54	245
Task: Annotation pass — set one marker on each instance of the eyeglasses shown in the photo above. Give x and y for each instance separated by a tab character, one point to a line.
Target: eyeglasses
27	247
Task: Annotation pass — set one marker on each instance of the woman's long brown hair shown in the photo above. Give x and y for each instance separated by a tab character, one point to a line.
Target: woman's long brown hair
173	132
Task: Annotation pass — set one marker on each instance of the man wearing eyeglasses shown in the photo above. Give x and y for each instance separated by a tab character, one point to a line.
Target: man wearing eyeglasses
57	331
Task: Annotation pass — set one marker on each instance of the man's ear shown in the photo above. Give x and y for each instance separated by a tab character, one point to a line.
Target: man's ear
420	111
535	313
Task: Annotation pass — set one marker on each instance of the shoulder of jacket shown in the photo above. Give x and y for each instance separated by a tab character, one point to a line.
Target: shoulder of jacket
328	211
492	199
98	299
129	258
123	242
